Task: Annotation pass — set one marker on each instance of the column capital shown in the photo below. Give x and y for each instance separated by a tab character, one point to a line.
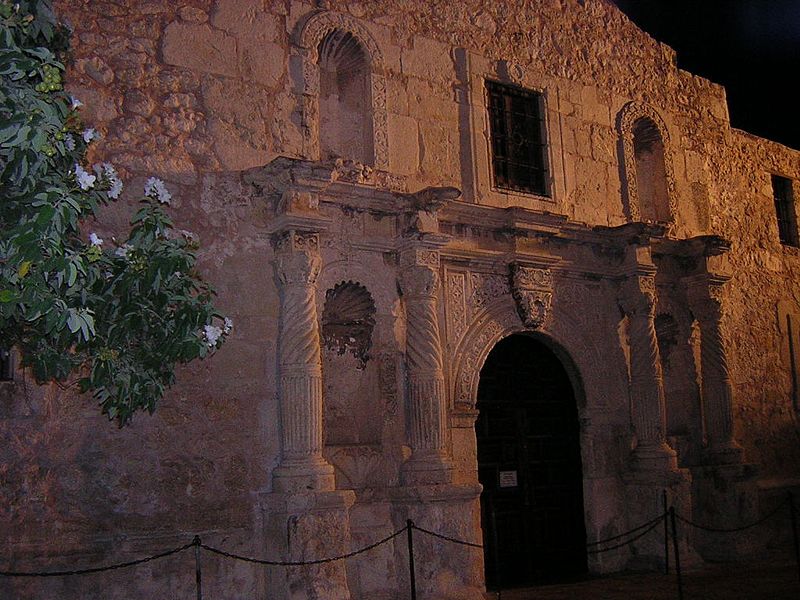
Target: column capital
297	259
419	270
705	294
638	295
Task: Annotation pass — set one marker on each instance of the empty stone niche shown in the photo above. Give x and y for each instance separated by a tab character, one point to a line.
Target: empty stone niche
651	174
345	99
352	400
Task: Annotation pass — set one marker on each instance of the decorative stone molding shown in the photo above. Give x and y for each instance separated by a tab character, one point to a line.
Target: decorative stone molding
627	117
531	289
313	32
455	308
499	320
481	336
486	287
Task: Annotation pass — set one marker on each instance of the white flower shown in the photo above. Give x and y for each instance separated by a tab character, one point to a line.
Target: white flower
69	142
123	250
90	134
228	325
212	333
155	188
116	189
84	179
74	103
192	237
95	240
109	173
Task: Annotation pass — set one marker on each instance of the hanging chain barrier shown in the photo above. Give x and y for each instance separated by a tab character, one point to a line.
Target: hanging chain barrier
669	517
123	565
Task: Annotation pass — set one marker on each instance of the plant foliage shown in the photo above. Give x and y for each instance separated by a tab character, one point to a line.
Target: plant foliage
116	316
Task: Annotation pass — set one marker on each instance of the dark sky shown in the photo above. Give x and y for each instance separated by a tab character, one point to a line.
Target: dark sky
752	47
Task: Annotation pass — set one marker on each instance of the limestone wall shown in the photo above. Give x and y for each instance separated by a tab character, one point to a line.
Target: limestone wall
196	92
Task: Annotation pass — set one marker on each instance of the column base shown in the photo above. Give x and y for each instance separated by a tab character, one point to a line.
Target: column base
303	475
445	571
304	527
724	453
643	498
654	457
725	496
429	468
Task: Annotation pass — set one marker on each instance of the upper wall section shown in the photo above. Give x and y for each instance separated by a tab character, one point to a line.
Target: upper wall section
401	86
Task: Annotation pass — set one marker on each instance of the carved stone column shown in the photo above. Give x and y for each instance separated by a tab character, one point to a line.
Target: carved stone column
297	264
419	281
704	295
646	383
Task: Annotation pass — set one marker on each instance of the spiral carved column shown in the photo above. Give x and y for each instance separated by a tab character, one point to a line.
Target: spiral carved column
646	382
419	281
705	303
302	466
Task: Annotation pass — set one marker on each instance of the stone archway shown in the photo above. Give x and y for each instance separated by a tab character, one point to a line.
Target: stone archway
529	464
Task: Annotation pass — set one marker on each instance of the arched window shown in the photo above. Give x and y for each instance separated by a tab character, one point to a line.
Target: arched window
345	102
645	165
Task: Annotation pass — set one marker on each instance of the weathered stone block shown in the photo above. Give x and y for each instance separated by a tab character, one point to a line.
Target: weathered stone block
200	47
404	152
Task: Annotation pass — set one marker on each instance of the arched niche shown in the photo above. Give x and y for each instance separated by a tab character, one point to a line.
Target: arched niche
343	91
350	376
648	182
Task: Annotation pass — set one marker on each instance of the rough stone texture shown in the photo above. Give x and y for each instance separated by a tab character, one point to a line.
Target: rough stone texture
209	95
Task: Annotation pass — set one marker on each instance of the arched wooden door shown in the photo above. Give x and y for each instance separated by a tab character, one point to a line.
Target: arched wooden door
529	464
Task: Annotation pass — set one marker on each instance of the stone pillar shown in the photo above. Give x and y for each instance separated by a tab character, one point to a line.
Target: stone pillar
704	295
297	264
427	414
652	453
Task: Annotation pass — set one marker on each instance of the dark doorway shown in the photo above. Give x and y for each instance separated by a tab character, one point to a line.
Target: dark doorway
529	464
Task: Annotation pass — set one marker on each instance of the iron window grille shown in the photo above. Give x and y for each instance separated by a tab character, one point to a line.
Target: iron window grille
784	210
6	365
518	139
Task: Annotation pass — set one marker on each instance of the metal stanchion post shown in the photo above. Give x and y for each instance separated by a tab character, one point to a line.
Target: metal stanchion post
677	551
412	575
793	514
666	531
198	576
496	552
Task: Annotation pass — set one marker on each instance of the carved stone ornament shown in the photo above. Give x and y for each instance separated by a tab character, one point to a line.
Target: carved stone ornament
533	307
292	241
313	32
531	289
628	116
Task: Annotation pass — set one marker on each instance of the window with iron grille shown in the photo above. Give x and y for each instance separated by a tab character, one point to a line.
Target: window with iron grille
784	210
518	140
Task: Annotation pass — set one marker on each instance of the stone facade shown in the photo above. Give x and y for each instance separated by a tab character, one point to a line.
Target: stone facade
652	268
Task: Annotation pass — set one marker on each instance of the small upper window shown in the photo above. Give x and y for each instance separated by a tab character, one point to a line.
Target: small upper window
518	140
784	210
6	365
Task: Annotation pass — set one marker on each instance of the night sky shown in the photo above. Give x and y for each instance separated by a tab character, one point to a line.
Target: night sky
752	47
